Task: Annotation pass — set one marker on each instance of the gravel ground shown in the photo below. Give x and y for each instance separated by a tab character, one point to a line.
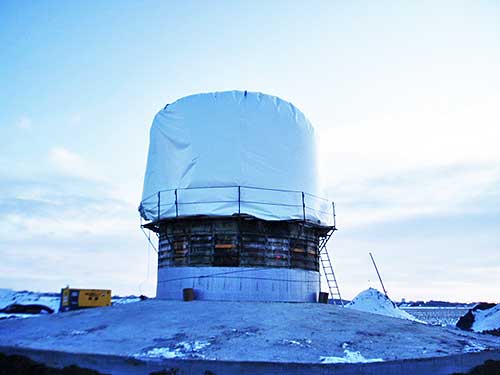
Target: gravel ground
239	331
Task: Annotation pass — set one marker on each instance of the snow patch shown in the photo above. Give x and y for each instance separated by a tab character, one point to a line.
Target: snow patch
123	300
16	316
303	343
160	353
180	350
349	357
486	320
372	301
473	347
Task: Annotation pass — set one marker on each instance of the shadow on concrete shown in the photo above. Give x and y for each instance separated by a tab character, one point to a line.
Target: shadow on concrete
21	365
488	368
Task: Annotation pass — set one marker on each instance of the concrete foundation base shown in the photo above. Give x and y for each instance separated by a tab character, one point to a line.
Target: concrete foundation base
239	284
110	364
243	338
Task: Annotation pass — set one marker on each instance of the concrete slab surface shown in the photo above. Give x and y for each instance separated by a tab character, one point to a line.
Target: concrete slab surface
159	331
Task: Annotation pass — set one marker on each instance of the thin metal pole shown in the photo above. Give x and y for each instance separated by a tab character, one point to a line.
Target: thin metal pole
376	269
149	239
239	200
176	205
334	216
303	207
159	195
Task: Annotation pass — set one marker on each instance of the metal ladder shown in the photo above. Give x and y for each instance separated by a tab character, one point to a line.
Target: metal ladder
326	264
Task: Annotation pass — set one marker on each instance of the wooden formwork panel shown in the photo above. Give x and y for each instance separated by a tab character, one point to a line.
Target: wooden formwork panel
231	242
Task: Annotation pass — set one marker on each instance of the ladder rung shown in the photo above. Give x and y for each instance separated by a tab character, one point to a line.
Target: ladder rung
329	274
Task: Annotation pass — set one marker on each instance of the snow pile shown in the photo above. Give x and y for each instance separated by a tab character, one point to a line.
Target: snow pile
180	350
487	320
349	357
372	301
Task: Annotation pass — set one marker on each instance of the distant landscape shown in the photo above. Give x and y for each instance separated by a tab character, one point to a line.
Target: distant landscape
442	313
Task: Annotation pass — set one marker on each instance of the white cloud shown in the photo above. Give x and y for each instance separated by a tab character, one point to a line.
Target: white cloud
63	226
439	191
24	123
75	120
419	154
71	164
439	131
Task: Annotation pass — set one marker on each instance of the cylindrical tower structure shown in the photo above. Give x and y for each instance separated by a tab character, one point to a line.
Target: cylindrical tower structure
231	191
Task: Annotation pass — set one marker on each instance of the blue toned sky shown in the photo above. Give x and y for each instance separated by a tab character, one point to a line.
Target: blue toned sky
405	97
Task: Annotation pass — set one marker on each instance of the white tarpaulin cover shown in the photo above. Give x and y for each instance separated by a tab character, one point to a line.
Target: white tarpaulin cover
232	152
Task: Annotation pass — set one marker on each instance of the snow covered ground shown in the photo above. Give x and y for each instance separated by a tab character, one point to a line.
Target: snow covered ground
239	331
372	301
52	300
9	297
276	332
441	316
487	320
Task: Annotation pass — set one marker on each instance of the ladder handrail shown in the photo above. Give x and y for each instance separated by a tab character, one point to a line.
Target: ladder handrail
328	271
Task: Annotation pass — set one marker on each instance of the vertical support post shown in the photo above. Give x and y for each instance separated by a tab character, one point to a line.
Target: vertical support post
334	216
159	195
176	205
212	248
319	281
303	207
239	199
240	245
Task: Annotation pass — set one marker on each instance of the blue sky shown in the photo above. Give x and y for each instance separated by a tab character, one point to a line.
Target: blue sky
405	97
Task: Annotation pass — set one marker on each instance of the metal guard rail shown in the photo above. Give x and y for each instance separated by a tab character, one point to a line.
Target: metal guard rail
306	202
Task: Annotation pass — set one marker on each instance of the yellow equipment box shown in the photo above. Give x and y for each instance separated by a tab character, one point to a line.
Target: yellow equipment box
74	299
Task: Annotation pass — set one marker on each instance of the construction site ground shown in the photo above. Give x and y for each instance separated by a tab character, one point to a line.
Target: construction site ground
158	334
